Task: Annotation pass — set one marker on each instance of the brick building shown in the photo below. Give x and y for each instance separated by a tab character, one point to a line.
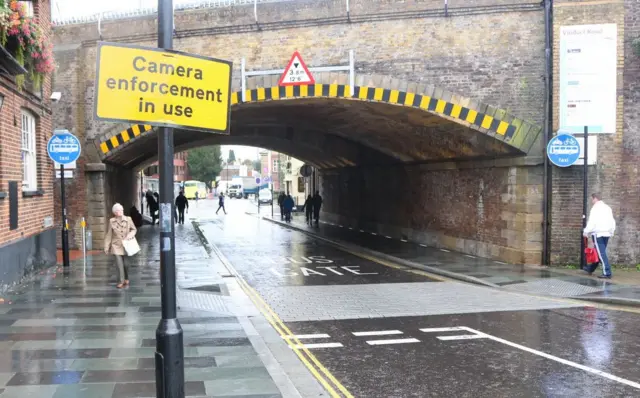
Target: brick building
180	168
27	228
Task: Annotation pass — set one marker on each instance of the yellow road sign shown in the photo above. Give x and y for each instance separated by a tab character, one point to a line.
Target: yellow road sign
162	88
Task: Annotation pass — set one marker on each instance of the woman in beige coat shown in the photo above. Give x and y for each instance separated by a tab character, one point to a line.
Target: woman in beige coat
120	228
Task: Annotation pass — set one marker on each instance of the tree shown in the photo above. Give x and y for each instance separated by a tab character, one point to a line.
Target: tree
205	163
248	163
232	157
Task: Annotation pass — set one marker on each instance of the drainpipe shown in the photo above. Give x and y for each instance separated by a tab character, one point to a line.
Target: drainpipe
548	127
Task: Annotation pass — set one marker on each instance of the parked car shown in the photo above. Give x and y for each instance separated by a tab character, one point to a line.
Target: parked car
265	197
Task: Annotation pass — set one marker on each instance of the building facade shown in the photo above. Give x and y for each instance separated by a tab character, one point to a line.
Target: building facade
27	227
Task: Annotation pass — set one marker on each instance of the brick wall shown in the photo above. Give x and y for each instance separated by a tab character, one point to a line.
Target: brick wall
490	209
616	174
33	210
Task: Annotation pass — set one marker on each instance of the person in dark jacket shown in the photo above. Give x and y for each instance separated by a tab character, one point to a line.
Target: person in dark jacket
288	207
221	203
136	217
152	205
181	203
281	199
308	208
317	203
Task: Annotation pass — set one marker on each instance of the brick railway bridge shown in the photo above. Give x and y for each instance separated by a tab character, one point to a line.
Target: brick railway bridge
441	141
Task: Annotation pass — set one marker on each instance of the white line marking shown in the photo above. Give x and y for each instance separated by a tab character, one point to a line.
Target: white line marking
373	233
466	255
350	228
377	333
554	358
388	237
403	240
341	226
362	230
462	337
423	245
499	262
308	336
437	330
445	250
318	345
392	341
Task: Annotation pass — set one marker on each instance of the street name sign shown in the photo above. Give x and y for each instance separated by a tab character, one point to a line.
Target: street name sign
296	73
63	147
563	150
163	88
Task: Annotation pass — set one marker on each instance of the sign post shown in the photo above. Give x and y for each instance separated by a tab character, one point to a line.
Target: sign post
167	89
63	148
585	194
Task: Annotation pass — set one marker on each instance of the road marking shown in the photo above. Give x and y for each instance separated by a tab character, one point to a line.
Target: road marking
554	358
438	330
388	237
317	345
308	336
423	245
500	262
319	371
351	229
466	255
341	226
377	333
462	337
362	230
403	240
392	341
445	250
373	233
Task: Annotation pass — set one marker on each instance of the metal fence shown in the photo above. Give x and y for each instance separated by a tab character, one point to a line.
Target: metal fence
142	11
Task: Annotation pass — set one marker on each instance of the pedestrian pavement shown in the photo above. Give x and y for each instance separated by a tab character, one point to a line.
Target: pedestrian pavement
512	277
66	334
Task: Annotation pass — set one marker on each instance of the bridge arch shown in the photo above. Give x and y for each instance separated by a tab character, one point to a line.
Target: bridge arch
461	123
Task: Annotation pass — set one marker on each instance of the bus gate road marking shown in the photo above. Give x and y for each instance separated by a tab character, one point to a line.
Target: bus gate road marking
392	341
317	345
377	333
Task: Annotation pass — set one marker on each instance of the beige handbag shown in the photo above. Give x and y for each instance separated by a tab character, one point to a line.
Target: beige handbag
131	246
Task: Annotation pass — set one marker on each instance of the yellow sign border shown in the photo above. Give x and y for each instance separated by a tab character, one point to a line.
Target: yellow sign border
159	124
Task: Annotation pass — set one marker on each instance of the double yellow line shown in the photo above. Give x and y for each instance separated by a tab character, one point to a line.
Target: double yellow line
322	374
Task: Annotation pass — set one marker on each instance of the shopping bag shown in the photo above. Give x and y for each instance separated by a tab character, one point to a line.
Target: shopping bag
131	246
590	253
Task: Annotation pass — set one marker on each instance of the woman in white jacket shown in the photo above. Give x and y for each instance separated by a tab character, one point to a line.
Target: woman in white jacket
600	228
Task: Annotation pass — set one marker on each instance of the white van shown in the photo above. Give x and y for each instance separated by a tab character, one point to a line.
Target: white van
264	197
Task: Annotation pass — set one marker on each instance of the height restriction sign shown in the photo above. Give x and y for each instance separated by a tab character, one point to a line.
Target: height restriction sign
296	73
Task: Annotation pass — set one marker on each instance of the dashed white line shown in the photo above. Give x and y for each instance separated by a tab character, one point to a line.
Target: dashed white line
341	226
423	245
437	330
404	240
351	229
362	230
388	237
308	336
500	262
318	345
377	333
373	233
392	341
462	337
466	255
445	250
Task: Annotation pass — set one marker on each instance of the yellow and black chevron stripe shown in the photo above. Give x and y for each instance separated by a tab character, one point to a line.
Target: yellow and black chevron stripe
123	137
395	97
464	115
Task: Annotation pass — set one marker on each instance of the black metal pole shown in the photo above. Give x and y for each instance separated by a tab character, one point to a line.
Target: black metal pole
548	126
169	344
65	233
585	189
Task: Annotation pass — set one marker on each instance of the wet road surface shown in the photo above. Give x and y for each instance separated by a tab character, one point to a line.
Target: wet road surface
392	332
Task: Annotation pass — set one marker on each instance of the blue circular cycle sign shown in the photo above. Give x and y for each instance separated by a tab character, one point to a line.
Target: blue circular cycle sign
563	150
63	147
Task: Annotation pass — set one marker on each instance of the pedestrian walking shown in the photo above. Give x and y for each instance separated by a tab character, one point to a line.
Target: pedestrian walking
121	228
152	206
288	204
221	203
182	203
317	204
281	199
600	228
308	209
197	195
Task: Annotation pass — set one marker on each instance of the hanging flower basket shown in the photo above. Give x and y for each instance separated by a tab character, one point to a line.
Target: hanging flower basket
24	40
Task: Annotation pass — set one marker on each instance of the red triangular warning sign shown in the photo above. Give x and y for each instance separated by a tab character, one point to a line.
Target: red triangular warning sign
296	73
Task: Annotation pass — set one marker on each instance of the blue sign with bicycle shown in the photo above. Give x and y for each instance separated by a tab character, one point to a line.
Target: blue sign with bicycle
563	150
63	147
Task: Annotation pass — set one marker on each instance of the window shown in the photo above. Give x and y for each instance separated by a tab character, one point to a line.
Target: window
301	184
29	162
276	163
